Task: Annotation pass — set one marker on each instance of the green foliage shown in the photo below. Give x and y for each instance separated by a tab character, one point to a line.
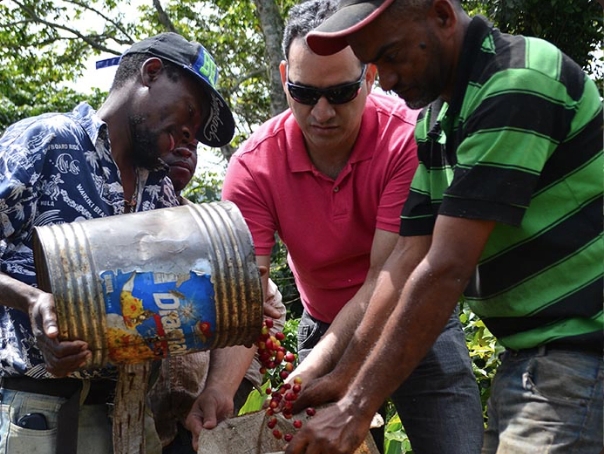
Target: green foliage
204	187
47	42
282	275
45	46
255	400
575	27
22	103
271	378
396	440
484	352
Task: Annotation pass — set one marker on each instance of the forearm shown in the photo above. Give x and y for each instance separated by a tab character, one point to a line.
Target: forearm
335	342
228	367
383	296
422	310
324	357
419	318
16	294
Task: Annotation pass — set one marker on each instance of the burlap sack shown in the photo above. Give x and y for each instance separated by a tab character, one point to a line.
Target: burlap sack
249	434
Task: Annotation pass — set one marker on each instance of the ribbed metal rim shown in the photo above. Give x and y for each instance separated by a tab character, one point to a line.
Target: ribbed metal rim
71	279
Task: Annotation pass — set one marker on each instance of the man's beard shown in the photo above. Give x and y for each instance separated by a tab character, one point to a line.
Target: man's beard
432	83
145	151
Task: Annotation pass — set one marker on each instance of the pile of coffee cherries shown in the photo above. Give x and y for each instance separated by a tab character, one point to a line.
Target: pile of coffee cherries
273	355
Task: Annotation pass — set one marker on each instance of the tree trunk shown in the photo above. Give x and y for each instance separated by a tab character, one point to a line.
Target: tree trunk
272	29
129	410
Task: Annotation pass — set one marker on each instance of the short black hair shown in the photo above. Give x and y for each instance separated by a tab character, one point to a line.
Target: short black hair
305	17
130	66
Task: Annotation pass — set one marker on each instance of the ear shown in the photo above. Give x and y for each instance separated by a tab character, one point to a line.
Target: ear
445	16
283	72
370	76
150	70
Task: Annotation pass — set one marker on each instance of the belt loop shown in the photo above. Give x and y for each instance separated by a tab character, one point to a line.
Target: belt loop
542	350
85	391
67	427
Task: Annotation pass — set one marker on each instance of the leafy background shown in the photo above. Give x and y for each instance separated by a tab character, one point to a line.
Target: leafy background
45	45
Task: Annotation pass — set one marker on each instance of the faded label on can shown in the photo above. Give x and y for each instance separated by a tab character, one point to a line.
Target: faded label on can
153	315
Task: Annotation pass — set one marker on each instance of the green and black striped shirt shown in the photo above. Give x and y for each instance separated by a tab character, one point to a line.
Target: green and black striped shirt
520	144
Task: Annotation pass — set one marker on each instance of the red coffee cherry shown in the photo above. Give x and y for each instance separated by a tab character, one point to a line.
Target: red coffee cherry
272	355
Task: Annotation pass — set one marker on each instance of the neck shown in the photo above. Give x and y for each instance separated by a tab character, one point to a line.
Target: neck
114	112
457	46
331	162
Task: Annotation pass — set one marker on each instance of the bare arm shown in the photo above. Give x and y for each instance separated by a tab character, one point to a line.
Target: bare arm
61	357
358	337
16	294
326	354
421	312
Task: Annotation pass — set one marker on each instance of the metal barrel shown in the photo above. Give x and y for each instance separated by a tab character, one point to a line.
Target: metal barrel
153	284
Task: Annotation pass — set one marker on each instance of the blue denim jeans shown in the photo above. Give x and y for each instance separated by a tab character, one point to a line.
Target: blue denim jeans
546	401
94	426
439	404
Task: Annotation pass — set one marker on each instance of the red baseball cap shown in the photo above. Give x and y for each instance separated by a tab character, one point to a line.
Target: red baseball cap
351	15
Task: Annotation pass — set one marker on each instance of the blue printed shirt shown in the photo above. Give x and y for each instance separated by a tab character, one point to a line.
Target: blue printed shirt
57	168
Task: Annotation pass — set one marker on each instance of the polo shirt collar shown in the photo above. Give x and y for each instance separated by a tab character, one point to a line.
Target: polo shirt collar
478	30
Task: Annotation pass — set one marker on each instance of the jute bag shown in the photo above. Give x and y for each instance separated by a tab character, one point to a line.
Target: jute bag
249	434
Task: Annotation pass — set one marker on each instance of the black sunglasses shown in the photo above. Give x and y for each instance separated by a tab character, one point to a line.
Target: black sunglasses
338	94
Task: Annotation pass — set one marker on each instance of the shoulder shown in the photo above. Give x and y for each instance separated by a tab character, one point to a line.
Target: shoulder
43	132
271	135
523	60
390	110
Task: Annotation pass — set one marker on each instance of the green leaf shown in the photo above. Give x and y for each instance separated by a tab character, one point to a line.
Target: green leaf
254	400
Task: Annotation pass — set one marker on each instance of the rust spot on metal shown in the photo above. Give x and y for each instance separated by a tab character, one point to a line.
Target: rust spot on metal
70	258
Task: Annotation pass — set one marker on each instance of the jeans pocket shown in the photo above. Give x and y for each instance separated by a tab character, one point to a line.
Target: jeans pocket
310	332
560	379
22	440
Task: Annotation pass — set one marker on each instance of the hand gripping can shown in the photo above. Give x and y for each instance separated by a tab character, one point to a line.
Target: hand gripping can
153	284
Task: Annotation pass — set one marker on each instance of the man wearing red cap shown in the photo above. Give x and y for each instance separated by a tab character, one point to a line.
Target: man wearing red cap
505	208
330	175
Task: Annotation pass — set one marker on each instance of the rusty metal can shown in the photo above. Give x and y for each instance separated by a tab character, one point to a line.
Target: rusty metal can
153	284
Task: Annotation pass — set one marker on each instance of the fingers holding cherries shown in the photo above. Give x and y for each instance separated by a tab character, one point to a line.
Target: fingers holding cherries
274	356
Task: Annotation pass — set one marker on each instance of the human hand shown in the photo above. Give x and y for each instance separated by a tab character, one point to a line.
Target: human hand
271	311
211	407
274	309
337	429
319	391
273	304
61	357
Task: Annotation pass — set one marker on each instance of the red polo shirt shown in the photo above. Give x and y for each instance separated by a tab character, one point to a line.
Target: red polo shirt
327	225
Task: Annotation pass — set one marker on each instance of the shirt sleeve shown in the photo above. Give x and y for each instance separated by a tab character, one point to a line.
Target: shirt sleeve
419	212
21	158
509	137
22	153
400	174
243	189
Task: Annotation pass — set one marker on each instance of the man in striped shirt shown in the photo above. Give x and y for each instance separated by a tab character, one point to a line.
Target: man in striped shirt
505	208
